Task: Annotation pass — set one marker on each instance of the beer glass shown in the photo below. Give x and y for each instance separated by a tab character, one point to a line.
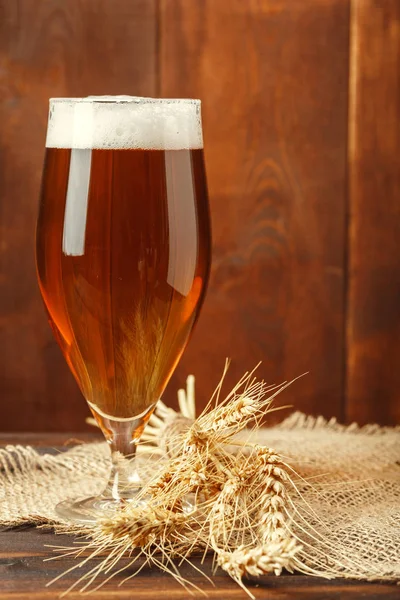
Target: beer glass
123	259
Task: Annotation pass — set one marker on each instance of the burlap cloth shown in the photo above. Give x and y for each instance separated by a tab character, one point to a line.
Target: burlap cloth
351	486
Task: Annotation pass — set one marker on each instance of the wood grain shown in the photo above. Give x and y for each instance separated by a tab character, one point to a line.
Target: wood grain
272	75
51	48
289	229
373	324
24	575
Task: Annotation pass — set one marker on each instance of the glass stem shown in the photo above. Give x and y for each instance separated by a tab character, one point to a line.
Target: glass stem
123	436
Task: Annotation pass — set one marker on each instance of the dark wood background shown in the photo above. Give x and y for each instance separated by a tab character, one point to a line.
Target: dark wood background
301	108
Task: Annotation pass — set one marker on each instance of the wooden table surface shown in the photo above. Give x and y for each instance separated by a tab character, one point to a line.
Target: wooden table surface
24	573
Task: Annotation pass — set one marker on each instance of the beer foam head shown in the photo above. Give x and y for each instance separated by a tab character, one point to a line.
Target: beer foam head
124	122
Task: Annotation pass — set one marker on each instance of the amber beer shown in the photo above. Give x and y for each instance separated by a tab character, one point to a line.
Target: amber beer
123	244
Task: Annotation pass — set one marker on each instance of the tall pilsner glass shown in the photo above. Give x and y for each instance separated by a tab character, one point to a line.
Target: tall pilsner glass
123	258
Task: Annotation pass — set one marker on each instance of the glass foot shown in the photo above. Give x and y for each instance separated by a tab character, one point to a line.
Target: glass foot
89	510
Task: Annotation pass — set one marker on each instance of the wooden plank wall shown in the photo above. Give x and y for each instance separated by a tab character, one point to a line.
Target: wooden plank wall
51	48
301	116
373	324
276	157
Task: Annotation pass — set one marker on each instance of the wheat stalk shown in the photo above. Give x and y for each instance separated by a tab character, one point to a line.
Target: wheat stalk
241	494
